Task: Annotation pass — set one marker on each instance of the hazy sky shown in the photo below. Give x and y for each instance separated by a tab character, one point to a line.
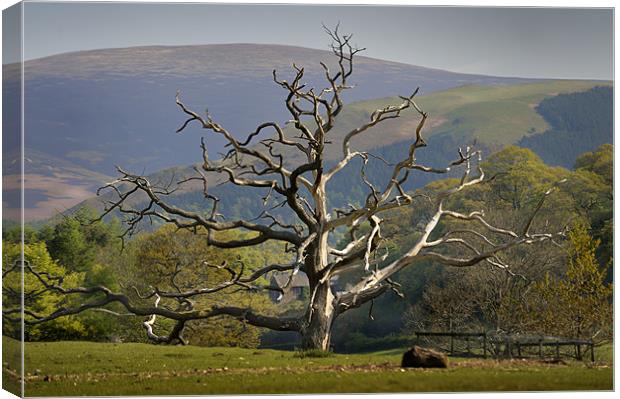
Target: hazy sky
527	42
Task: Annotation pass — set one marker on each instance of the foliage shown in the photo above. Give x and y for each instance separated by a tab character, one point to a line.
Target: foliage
592	190
176	260
69	246
79	245
76	240
599	162
516	180
36	299
12	232
579	304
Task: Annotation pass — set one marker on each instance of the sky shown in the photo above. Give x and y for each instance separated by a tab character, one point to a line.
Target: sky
524	42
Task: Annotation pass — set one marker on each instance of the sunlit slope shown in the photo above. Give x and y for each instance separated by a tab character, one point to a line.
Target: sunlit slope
494	115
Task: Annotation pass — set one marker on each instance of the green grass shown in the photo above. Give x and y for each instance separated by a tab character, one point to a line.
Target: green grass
313	353
337	382
604	353
85	368
83	357
11	360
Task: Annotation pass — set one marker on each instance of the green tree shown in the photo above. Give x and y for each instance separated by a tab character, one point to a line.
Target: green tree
79	244
173	260
37	298
76	240
592	189
600	162
579	304
517	180
69	246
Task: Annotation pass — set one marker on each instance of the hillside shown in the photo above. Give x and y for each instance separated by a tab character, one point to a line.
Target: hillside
470	104
116	106
491	116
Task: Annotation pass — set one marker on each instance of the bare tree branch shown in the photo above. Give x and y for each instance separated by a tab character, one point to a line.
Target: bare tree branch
292	173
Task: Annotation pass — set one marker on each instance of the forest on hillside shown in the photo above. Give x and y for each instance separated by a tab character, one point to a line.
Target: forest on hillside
579	122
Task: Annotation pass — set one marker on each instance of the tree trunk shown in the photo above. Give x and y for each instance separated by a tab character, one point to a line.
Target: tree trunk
320	317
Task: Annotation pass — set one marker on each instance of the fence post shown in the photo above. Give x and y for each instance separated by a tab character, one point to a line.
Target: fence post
592	351
518	349
557	350
451	338
451	344
509	347
578	346
484	344
540	353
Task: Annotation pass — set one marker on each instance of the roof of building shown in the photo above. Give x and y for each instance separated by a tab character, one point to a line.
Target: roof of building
281	278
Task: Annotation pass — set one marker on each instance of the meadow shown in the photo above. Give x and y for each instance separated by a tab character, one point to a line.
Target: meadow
87	368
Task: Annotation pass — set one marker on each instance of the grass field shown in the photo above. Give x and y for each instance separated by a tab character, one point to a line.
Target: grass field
85	368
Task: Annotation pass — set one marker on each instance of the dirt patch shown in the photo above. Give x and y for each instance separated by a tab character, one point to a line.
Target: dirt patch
408	128
508	364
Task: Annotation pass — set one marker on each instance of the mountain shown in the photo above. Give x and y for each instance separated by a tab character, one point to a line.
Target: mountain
116	106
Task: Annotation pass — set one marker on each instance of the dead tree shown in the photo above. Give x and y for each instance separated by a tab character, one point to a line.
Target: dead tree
290	166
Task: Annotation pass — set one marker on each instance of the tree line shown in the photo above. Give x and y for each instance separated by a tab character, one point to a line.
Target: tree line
561	289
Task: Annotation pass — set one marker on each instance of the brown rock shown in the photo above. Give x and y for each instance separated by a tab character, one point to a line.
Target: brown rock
424	357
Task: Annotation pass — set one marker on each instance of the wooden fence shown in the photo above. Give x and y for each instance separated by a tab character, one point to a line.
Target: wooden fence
511	343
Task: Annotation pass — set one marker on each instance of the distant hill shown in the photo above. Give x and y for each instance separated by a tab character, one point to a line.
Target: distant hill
116	106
